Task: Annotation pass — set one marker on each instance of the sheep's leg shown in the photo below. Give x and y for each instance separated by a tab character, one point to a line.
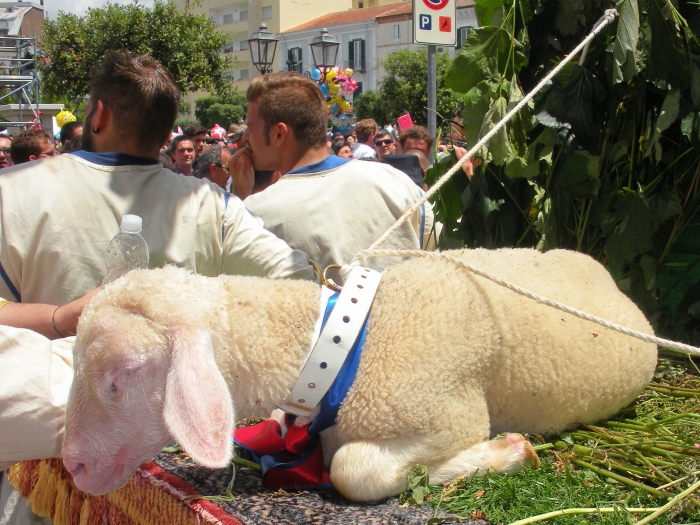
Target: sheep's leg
504	455
370	470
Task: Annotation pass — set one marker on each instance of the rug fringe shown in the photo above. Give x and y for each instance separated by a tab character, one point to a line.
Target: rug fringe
50	491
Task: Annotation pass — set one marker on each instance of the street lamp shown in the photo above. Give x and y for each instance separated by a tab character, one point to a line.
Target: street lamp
324	49
263	45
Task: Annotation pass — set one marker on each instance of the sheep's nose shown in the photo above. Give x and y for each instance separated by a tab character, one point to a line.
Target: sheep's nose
74	467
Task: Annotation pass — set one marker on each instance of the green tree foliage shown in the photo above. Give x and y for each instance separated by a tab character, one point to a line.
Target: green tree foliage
605	160
188	45
221	110
404	88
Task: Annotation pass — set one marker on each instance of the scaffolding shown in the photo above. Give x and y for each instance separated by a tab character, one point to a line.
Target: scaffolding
20	77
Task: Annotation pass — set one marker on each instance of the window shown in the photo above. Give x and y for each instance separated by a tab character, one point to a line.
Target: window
396	32
462	34
243	16
266	13
243	45
360	5
370	3
229	76
294	59
356	54
228	48
228	19
244	74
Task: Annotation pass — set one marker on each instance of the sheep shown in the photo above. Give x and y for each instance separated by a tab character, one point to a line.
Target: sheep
450	361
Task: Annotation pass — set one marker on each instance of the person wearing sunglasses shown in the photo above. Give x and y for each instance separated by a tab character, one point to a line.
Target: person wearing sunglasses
5	160
384	144
31	144
213	165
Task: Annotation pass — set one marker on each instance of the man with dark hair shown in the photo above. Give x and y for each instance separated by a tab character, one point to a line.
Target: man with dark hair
384	144
416	137
198	134
330	206
364	148
70	130
31	144
183	152
213	165
59	216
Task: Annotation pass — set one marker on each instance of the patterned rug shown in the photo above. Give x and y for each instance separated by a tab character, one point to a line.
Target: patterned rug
154	496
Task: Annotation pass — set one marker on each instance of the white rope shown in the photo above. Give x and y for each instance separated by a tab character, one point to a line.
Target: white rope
609	16
648	338
372	251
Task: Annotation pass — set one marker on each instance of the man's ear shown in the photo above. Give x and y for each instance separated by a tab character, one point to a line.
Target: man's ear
101	116
279	134
32	157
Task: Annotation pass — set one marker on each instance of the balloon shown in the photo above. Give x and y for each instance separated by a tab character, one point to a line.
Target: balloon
334	109
316	73
333	89
324	90
217	132
64	117
348	72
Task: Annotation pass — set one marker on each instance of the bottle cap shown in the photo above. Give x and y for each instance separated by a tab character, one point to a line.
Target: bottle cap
131	223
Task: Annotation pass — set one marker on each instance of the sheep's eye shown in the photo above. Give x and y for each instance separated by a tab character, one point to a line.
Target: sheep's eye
126	373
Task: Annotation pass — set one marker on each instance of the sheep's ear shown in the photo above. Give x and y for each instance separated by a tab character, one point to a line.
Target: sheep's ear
198	409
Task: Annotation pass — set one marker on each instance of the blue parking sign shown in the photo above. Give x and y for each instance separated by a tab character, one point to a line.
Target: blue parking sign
426	22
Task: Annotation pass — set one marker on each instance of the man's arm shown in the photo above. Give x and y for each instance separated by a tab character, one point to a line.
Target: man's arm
48	320
35	378
250	249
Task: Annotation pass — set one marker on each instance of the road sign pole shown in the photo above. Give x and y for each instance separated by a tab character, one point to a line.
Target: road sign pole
432	91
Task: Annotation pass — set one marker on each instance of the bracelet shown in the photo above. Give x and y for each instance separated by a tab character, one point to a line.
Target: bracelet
53	322
3	302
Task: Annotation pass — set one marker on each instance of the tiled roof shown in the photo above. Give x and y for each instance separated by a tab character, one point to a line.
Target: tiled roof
351	16
362	15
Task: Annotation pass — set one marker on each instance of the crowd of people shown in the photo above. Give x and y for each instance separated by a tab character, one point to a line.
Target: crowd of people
268	199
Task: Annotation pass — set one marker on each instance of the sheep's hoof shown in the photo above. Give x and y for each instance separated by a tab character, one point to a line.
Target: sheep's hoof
528	458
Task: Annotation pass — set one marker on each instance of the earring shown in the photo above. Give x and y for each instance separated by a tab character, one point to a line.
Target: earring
95	131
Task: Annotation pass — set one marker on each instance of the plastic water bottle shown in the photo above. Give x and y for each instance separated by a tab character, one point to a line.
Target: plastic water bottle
127	250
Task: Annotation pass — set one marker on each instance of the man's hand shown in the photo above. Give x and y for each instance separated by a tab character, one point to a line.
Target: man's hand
240	167
67	316
38	317
469	165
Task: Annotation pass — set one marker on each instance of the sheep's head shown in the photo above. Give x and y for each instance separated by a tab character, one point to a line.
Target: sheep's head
139	383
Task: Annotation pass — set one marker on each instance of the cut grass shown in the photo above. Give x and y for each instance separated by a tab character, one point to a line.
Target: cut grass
640	459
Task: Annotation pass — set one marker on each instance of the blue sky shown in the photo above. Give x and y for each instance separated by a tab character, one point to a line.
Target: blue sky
79	7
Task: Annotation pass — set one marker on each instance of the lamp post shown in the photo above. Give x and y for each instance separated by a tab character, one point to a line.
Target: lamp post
263	45
324	50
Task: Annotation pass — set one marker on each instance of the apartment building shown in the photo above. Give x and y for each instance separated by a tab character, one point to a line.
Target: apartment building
241	18
366	38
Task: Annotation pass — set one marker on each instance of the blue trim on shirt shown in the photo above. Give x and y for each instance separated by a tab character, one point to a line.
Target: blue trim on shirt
112	158
422	224
9	284
330	162
227	196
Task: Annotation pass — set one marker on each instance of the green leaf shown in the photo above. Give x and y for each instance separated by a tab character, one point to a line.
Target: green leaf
488	54
625	46
648	264
538	157
669	114
570	15
418	484
632	235
667	56
575	101
577	173
485	10
499	148
473	120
